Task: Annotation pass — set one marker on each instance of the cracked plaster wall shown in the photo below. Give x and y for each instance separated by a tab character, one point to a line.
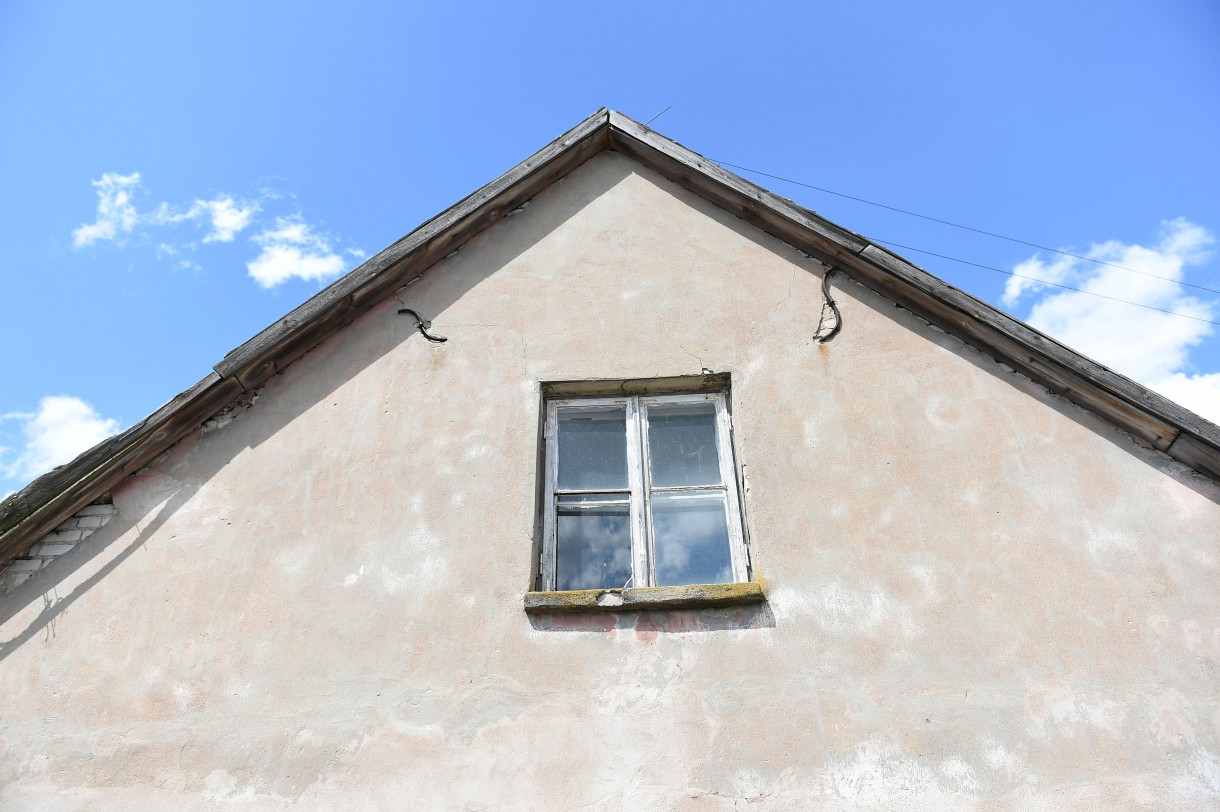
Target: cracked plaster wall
980	596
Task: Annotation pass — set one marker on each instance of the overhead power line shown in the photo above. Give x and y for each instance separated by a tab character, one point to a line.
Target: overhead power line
970	228
1046	282
658	115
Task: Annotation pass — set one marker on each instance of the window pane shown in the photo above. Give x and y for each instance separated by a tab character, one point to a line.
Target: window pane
593	541
682	444
592	447
691	539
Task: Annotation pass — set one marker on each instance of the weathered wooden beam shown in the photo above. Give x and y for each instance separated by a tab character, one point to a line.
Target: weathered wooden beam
1196	452
777	216
50	499
337	305
1145	414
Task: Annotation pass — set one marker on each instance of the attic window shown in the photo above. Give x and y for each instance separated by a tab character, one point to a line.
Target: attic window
641	495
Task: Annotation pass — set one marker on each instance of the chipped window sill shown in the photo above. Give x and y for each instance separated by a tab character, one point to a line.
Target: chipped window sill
693	596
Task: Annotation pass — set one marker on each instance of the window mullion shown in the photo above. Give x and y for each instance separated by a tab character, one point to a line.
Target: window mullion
549	541
636	474
647	541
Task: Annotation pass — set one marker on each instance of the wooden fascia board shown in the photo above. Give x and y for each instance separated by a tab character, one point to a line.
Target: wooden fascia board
757	206
50	499
1145	414
1195	451
47	501
341	302
1141	412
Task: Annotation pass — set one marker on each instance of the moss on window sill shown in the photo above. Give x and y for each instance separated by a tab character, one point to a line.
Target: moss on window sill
693	596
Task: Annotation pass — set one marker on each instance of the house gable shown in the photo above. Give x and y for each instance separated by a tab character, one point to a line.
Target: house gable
320	600
1149	417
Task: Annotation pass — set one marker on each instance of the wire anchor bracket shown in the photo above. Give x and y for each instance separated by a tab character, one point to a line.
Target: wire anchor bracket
828	301
422	325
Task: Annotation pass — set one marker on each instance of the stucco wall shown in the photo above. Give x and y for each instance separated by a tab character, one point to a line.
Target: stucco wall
980	596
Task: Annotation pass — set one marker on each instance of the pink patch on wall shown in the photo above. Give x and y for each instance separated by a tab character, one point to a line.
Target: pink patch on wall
677	622
601	622
645	628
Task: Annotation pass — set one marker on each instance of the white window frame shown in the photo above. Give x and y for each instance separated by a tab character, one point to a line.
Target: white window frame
643	565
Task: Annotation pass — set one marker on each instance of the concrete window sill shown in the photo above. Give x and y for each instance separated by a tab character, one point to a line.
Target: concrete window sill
694	596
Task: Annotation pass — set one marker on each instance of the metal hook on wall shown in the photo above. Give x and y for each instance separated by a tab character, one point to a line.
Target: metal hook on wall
828	301
422	325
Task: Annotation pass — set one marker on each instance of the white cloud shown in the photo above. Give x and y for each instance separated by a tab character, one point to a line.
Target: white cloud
1151	347
164	215
116	215
1199	393
1028	272
291	249
288	249
62	428
227	218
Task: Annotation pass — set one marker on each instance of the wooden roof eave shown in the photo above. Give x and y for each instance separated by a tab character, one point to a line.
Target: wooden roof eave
1136	409
29	514
337	305
46	502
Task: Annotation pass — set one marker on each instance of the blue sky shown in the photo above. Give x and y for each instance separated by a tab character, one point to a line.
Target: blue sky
180	175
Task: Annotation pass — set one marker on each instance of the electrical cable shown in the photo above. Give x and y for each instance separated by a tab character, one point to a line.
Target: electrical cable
967	228
1045	282
658	115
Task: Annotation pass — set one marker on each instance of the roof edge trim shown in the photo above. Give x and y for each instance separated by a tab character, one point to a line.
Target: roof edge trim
338	304
1145	414
43	504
